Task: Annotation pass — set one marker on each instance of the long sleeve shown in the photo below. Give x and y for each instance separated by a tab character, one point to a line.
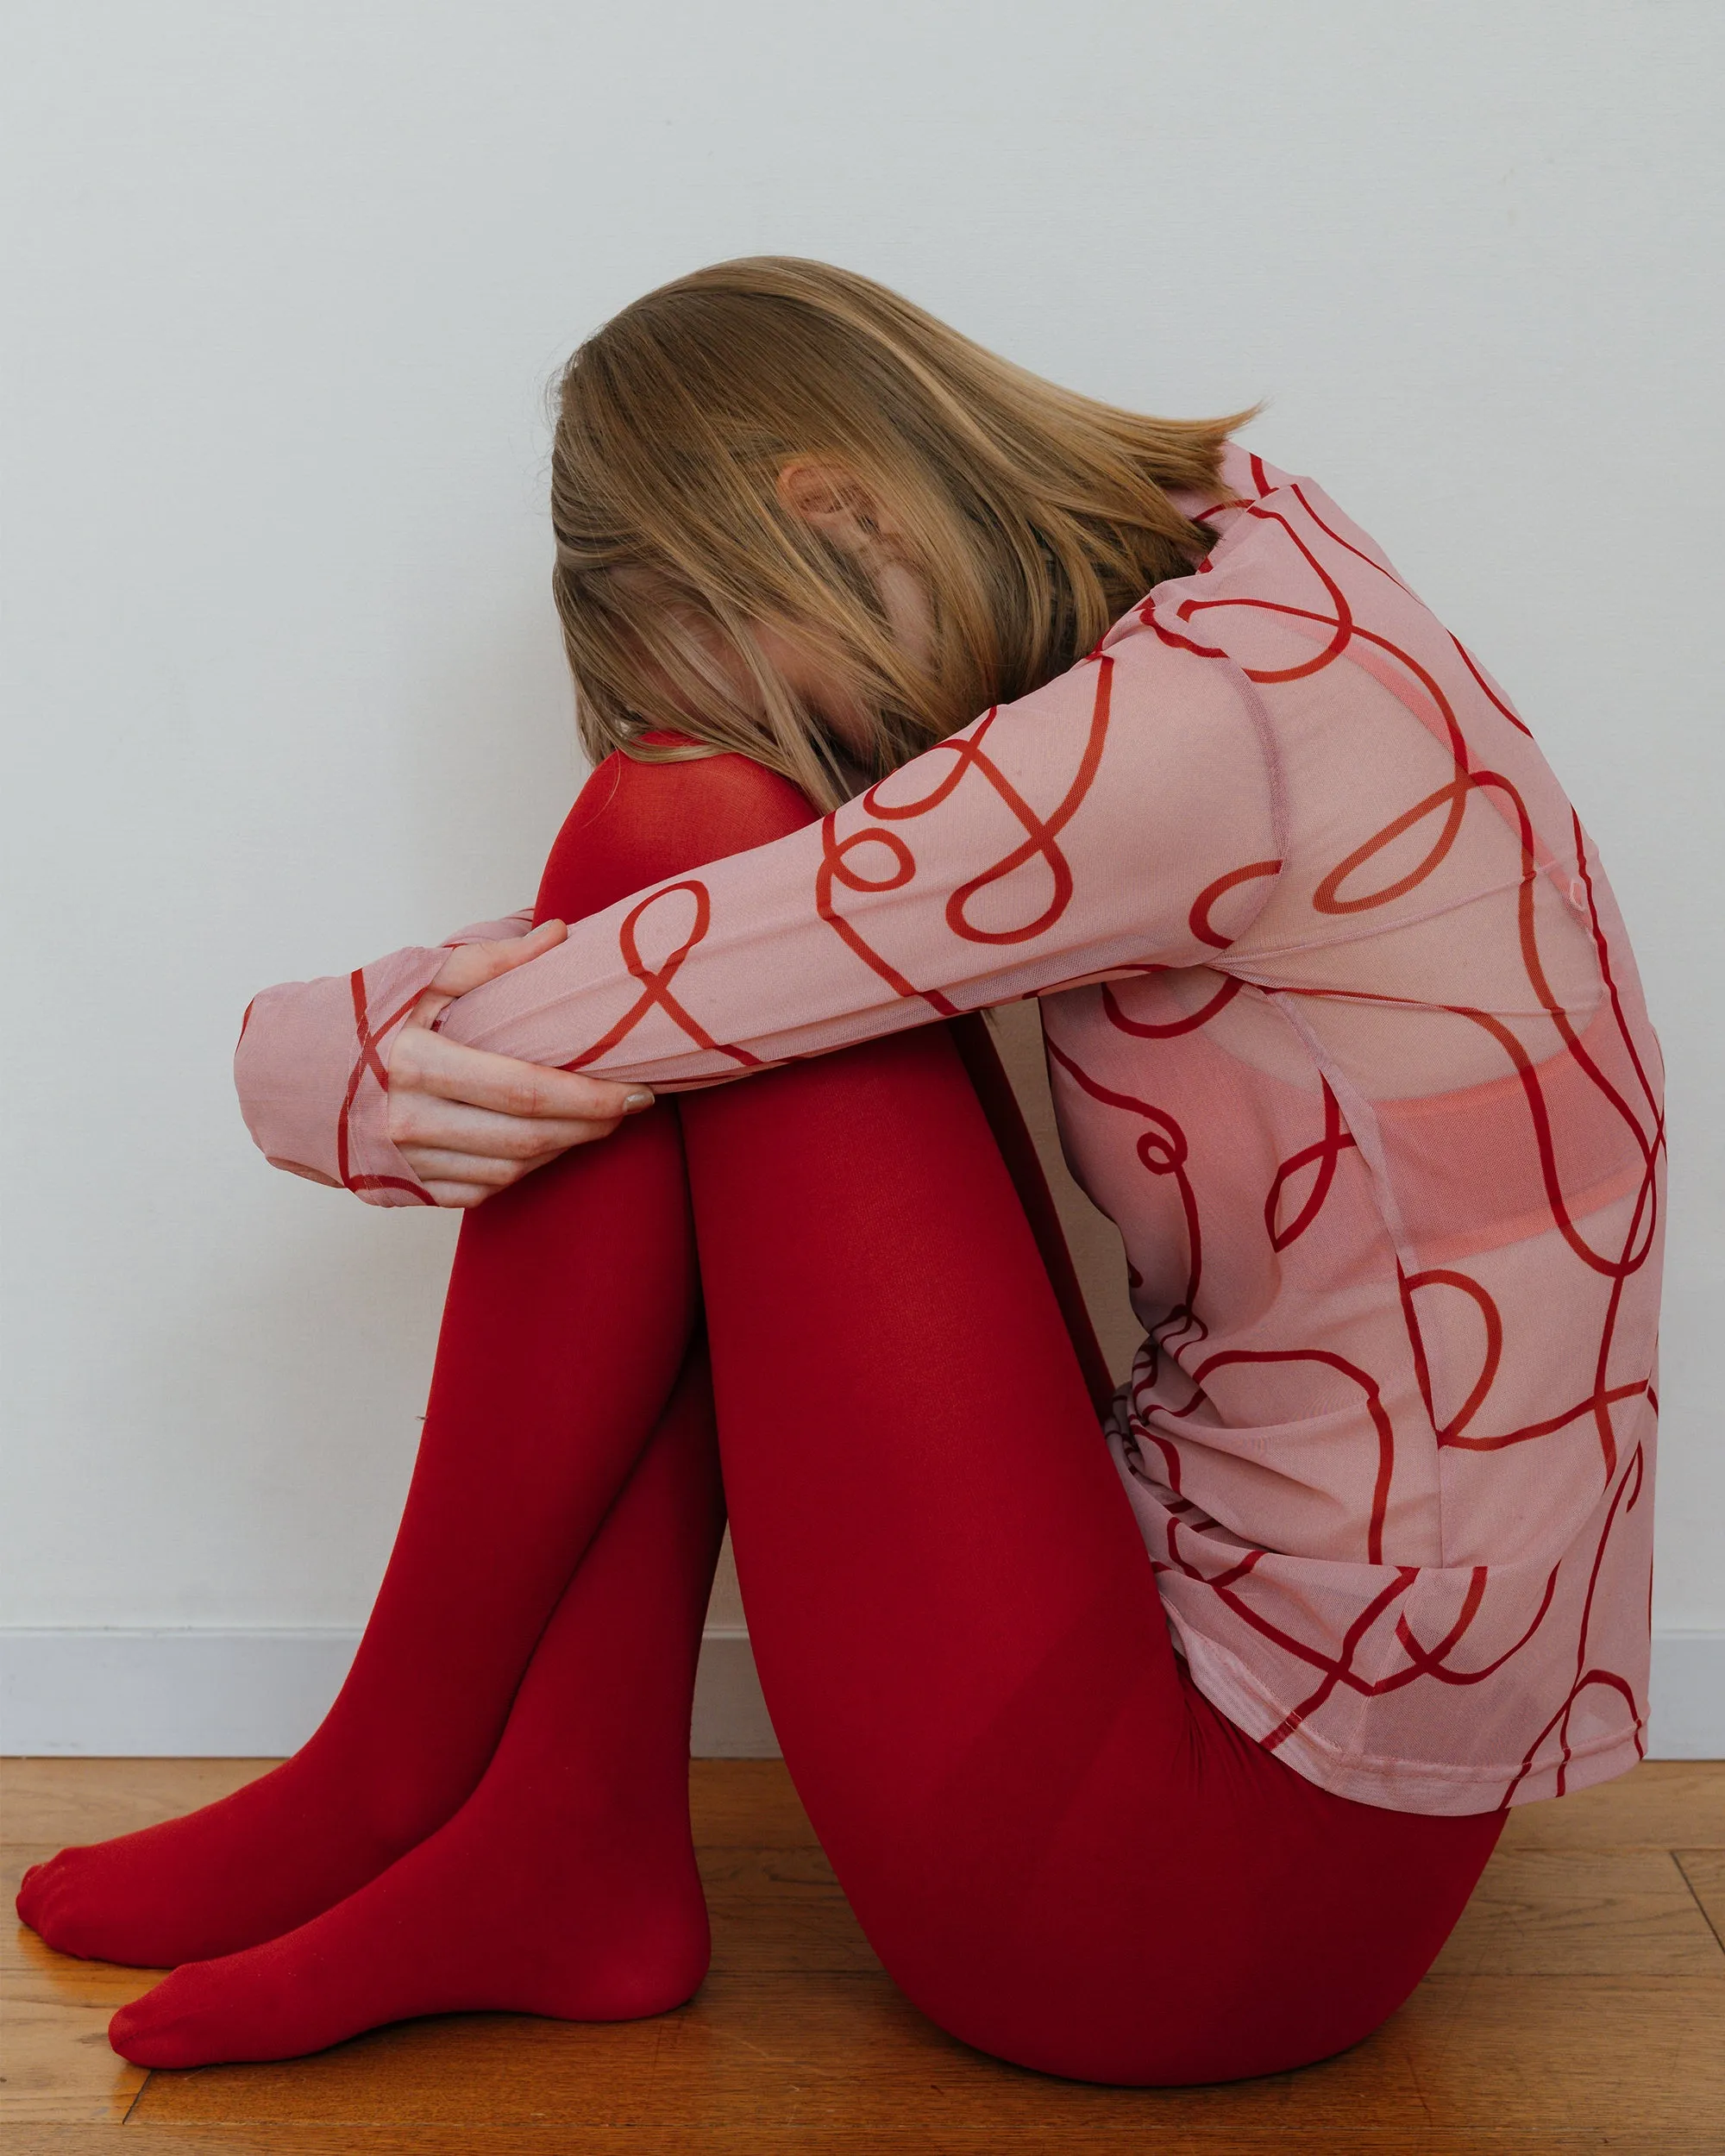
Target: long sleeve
1122	817
311	1061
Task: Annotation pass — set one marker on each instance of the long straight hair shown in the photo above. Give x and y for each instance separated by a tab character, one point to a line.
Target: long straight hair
1034	516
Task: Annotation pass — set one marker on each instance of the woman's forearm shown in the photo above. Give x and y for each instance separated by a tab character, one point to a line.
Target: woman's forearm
1119	817
311	1061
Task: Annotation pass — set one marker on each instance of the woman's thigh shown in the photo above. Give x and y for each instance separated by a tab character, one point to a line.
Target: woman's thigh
1061	1852
1209	1918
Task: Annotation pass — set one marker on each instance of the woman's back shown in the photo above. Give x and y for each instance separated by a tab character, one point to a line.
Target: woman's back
1387	1173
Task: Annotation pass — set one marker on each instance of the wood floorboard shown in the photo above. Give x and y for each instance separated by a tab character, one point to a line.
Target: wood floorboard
1582	1913
1663	1804
1580	2007
750	1804
67	1800
752	2140
55	2062
781	1909
772	2052
1703	1872
58	2065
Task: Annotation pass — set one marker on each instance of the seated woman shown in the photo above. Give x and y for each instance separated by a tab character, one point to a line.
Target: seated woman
1156	1735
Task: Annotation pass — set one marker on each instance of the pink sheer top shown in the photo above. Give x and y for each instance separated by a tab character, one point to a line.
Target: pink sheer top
1344	1034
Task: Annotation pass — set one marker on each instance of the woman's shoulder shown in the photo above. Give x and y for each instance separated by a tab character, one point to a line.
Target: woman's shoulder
1290	569
1269	520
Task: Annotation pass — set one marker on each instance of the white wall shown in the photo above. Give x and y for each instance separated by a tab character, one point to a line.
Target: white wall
286	284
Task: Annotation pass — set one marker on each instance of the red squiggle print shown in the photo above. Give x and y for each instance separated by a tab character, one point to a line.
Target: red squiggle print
1526	1070
1199	917
1585	1677
368	1059
1429	1662
1340	1670
1374	1407
1488	692
656	981
968	754
1161	1150
1141	1030
1450	798
835	868
1325	1153
1565	1146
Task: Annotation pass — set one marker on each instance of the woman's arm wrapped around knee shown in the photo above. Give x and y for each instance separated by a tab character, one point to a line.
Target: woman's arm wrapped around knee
342	1081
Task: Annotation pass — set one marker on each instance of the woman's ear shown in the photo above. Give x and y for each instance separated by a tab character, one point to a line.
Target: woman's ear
833	502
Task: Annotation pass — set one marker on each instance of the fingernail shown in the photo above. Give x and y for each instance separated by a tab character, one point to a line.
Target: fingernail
634	1102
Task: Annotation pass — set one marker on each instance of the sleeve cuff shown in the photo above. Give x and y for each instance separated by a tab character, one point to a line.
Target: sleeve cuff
312	1072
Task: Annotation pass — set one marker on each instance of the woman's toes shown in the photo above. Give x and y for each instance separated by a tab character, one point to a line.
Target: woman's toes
163	2028
209	2012
35	1893
132	2028
43	1904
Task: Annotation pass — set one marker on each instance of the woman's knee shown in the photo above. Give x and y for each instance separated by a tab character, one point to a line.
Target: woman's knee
1036	2014
1111	1966
635	823
1156	2017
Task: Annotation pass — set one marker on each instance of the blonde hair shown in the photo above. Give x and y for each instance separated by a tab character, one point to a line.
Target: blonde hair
1035	517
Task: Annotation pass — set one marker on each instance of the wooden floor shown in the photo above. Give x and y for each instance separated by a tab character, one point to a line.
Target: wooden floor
1580	2006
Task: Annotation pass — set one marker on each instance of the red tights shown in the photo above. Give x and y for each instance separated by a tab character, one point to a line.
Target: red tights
1061	1852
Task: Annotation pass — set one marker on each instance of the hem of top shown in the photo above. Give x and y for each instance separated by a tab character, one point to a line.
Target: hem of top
379	1174
1431	1787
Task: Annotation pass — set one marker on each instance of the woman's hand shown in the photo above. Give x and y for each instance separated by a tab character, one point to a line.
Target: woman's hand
469	1124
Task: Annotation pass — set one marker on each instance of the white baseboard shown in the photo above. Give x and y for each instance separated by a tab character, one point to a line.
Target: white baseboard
259	1695
1687	1717
731	1720
197	1695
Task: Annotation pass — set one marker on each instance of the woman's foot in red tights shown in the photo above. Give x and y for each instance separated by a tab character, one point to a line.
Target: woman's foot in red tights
554	1890
552	1366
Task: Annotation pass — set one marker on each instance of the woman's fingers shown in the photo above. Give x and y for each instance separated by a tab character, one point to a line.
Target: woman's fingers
427	1123
432	1165
465	1196
471	965
423	1062
468	1122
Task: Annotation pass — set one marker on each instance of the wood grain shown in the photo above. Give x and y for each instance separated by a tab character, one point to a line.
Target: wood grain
750	1804
782	1910
1579	2007
481	2140
1582	1913
58	2065
55	2063
68	1801
1536	2054
1704	1872
1663	1804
